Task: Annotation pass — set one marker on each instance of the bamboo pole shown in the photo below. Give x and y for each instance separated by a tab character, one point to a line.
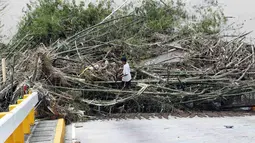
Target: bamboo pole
4	70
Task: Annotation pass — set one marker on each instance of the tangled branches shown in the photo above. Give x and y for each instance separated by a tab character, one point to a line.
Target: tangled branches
77	77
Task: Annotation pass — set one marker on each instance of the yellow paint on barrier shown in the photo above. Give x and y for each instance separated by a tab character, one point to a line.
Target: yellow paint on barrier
18	134
24	127
60	131
19	101
10	139
31	115
26	122
11	107
26	96
2	114
29	91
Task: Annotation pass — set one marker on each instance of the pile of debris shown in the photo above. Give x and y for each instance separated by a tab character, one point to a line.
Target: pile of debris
78	77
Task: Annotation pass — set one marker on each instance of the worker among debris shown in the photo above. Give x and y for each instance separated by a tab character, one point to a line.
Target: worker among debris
26	87
126	75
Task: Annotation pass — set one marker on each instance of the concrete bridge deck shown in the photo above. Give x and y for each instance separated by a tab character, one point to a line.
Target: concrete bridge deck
172	130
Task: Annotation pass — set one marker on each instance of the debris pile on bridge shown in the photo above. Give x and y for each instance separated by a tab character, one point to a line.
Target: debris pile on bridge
78	77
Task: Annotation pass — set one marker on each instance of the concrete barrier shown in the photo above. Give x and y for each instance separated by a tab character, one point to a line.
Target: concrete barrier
16	123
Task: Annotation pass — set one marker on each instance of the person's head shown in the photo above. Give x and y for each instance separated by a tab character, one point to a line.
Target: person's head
123	60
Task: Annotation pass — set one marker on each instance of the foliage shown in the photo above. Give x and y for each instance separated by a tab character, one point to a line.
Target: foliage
172	17
210	17
49	20
162	16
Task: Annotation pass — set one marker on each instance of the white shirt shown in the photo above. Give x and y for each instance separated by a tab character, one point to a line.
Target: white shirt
126	71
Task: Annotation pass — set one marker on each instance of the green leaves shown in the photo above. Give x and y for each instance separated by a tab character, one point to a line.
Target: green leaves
162	16
210	17
49	20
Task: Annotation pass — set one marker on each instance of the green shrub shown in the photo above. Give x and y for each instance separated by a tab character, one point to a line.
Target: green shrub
48	20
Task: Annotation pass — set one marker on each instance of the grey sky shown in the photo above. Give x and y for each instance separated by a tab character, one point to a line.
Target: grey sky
242	10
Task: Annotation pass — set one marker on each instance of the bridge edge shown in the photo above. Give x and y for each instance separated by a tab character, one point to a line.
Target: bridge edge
60	131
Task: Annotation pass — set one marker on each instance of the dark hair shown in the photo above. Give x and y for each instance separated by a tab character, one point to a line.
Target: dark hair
124	59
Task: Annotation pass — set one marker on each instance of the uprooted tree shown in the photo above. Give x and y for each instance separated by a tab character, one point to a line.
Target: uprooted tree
70	54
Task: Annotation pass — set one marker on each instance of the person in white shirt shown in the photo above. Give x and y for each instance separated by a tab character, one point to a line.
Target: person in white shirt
126	75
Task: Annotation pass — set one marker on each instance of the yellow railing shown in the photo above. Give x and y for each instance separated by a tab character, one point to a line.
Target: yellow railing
16	123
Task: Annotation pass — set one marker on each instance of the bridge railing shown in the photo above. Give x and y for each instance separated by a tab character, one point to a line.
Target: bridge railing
16	123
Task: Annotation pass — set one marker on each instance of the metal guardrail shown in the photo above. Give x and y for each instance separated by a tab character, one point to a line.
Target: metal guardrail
16	123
